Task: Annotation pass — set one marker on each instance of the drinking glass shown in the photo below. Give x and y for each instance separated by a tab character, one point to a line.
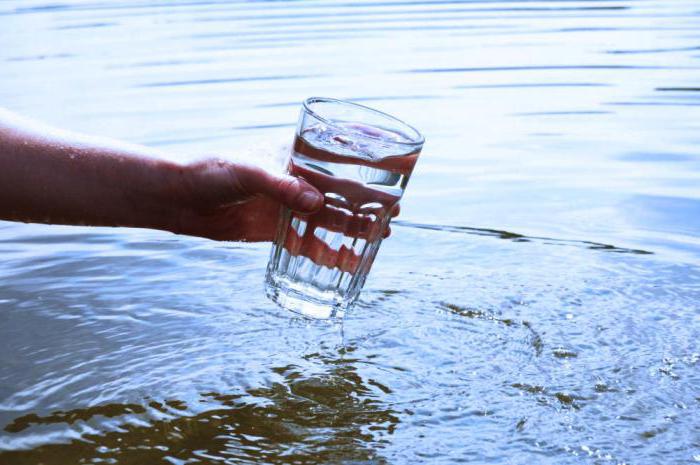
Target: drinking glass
360	159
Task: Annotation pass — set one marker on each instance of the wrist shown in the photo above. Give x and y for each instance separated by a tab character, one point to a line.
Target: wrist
176	196
160	203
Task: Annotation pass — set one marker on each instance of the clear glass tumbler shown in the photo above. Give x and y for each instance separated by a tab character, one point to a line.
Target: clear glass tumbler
360	159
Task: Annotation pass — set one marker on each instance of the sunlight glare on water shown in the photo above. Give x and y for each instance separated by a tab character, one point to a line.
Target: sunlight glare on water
538	301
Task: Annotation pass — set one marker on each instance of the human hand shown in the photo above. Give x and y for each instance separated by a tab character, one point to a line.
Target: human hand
221	200
237	202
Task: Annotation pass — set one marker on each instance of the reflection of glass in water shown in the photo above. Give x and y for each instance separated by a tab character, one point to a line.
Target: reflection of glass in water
320	262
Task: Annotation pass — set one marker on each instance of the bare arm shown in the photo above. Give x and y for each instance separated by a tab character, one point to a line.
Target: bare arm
50	176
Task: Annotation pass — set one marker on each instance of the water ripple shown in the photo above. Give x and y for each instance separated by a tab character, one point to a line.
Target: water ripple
515	237
224	80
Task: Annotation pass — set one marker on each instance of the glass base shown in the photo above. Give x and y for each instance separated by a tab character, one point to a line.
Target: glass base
306	300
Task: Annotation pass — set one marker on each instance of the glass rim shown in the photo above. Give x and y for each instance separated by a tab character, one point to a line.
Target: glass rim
420	139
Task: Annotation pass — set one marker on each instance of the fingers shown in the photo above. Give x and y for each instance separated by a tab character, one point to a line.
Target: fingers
364	226
355	193
331	247
294	193
343	258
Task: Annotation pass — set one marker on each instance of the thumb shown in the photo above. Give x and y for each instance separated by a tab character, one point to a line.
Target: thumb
292	192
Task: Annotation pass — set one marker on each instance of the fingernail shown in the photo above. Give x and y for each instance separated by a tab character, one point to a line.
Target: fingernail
309	200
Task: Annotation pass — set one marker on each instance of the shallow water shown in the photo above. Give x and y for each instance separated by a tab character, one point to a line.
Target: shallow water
538	302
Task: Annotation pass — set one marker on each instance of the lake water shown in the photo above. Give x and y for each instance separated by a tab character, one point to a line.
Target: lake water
538	301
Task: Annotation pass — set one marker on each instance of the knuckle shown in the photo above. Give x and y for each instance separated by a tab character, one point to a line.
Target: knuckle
288	186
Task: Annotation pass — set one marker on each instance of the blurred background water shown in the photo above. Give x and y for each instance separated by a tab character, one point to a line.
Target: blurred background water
538	302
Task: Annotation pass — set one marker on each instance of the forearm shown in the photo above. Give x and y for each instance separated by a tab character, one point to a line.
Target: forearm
49	176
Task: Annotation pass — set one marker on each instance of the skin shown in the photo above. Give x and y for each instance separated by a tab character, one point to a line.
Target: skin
50	176
56	177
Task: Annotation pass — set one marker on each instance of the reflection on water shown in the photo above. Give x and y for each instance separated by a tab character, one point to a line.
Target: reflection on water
328	417
537	302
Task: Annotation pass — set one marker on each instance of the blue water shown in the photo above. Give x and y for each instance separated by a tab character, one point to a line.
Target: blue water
538	301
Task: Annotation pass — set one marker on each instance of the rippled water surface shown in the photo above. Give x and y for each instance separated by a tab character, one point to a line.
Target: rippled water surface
538	302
